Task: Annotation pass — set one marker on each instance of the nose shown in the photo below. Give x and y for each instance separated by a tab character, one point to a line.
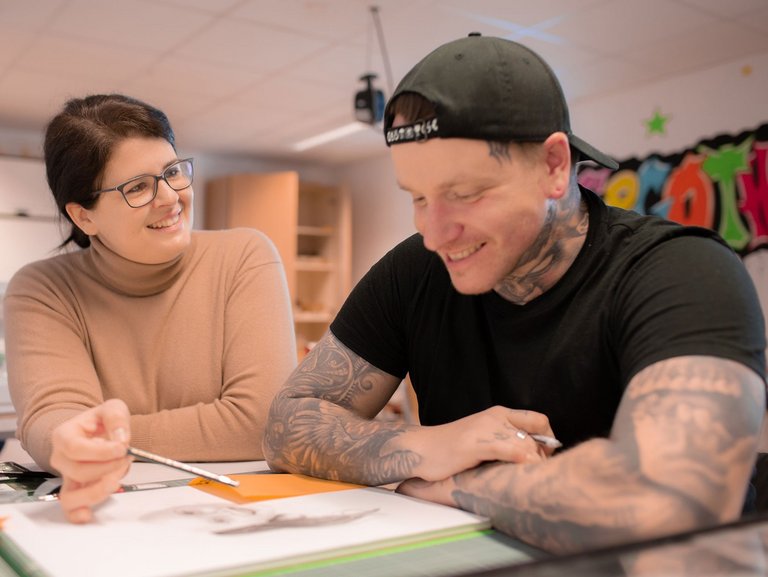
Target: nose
437	225
165	194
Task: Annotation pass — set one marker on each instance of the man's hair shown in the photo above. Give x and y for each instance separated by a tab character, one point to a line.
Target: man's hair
411	107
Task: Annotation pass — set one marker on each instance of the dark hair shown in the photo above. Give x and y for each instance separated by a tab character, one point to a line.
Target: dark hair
411	106
414	107
80	139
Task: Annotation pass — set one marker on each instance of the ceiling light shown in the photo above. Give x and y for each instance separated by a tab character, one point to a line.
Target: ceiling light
329	136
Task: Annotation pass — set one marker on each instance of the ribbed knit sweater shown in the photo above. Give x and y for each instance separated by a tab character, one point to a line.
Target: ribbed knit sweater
196	347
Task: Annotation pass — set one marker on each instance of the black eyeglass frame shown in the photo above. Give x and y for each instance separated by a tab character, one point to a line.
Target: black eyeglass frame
158	177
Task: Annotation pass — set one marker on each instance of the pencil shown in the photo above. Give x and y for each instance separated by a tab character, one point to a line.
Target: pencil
547	441
147	456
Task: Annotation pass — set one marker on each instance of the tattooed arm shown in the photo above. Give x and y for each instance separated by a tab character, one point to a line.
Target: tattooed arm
679	457
321	424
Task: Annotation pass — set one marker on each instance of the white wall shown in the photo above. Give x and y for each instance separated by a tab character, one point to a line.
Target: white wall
718	100
700	105
381	212
20	143
23	190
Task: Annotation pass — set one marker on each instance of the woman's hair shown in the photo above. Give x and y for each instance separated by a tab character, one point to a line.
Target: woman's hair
80	139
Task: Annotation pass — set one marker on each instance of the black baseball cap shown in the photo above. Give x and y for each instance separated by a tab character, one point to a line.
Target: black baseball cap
489	89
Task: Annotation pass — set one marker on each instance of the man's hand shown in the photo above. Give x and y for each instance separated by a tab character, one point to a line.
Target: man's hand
436	491
322	424
496	434
89	452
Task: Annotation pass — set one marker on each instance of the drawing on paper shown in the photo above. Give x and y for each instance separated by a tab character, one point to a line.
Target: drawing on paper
225	519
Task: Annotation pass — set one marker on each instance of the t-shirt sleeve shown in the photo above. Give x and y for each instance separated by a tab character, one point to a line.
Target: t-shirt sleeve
372	321
688	296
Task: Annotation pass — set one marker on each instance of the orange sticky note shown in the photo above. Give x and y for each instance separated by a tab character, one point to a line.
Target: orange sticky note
260	487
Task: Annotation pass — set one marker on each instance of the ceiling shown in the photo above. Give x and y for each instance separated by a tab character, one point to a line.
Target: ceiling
254	77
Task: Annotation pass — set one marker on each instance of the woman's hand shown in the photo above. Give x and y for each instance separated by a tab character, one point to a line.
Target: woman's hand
89	452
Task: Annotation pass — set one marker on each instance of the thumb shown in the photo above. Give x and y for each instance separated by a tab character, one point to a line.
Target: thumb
116	420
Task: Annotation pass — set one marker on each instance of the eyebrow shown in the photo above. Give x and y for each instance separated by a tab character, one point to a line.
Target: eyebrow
481	182
165	166
130	178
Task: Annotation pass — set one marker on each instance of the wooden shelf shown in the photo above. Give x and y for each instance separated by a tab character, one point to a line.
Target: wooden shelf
25	216
312	265
311	227
315	230
323	317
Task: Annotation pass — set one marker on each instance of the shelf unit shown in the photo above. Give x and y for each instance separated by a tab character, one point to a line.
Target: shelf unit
311	227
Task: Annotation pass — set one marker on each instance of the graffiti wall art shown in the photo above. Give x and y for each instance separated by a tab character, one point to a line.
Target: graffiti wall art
720	183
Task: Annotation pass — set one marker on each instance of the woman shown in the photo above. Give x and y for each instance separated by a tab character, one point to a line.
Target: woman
190	330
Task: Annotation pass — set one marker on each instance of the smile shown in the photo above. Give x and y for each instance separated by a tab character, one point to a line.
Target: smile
167	222
461	255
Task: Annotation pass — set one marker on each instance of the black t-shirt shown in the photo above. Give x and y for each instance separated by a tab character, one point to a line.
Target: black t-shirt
641	290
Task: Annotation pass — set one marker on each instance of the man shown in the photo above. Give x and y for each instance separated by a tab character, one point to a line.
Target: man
526	306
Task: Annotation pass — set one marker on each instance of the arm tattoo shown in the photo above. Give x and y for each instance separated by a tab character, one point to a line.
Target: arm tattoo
679	457
320	422
335	374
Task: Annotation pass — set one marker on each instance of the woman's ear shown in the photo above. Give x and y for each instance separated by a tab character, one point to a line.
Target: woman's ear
557	154
82	218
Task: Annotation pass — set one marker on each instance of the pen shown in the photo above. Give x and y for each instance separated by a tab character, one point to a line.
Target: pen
147	456
547	441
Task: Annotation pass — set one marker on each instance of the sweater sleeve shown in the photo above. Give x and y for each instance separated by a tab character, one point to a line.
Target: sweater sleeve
258	352
50	373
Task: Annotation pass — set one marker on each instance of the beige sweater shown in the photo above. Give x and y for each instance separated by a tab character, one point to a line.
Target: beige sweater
196	347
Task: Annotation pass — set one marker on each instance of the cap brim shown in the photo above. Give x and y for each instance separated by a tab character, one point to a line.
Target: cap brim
592	153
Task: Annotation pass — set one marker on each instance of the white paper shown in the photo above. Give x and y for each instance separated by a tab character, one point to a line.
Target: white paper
173	531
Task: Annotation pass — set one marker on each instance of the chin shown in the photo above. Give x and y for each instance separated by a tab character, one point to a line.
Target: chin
471	287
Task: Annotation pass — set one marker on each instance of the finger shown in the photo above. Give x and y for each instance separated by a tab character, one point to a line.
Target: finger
435	491
530	421
79	516
517	447
417	488
74	512
411	487
75	447
116	476
116	420
540	444
91	471
77	499
544	451
519	452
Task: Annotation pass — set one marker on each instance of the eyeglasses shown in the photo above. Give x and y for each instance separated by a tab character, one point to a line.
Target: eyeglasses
142	189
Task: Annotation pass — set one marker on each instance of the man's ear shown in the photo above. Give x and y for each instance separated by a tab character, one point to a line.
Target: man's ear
82	218
557	155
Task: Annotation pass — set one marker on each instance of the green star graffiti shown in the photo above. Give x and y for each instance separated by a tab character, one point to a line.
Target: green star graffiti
657	124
